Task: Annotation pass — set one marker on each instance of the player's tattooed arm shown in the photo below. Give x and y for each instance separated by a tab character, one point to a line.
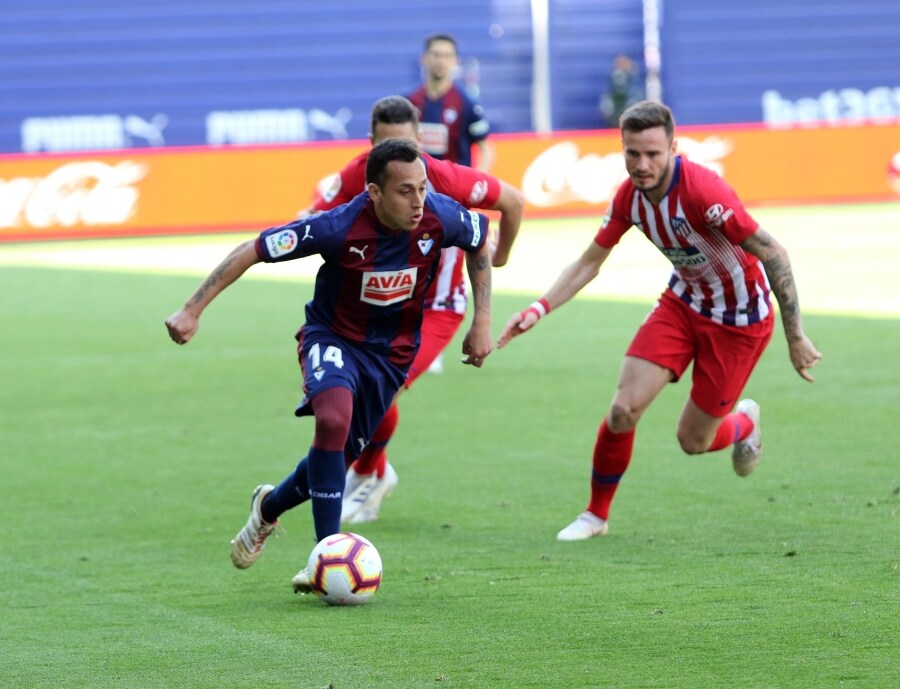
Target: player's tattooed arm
478	342
183	324
230	269
777	264
775	260
478	266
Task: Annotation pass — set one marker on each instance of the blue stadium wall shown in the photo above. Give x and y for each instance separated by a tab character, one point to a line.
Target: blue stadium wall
108	74
781	61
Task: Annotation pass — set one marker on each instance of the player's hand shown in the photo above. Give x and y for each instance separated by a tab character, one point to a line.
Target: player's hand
804	356
181	326
517	324
476	346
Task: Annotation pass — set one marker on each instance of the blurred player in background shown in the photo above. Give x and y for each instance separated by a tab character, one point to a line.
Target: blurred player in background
715	310
452	121
381	253
371	477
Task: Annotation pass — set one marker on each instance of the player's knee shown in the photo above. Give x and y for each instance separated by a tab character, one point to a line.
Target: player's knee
332	424
692	443
622	418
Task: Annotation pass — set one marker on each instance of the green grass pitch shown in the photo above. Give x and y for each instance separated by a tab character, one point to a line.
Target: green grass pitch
127	465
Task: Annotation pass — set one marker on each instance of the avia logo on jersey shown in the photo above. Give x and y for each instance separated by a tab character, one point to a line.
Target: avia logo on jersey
385	287
282	243
689	256
716	215
479	191
680	227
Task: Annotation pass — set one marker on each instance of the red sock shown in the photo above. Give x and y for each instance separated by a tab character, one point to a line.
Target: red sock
374	457
734	427
612	453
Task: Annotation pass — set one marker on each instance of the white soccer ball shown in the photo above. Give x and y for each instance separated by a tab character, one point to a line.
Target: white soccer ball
344	569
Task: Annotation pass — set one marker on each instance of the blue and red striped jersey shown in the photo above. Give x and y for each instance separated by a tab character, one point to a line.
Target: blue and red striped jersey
449	125
372	285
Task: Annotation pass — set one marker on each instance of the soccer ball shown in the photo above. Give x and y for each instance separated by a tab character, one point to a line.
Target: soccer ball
344	569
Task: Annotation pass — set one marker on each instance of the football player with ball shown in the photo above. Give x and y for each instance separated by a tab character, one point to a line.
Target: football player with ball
380	254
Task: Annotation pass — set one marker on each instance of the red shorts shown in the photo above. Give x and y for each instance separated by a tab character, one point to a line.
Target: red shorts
723	355
438	328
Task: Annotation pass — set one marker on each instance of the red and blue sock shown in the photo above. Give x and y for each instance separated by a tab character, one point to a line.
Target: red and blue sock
734	427
374	457
612	454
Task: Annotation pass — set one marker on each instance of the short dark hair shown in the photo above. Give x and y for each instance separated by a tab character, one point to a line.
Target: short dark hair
383	153
433	38
394	110
647	114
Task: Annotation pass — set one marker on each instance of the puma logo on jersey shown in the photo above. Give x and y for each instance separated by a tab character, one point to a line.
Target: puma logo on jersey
384	287
361	252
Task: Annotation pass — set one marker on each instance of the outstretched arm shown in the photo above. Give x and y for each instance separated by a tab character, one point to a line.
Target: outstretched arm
478	342
775	260
569	283
511	204
183	324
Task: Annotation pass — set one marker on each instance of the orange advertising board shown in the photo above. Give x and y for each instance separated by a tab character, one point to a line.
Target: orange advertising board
578	172
194	190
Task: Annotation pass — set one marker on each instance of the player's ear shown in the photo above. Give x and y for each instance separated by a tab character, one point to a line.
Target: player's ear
674	145
374	191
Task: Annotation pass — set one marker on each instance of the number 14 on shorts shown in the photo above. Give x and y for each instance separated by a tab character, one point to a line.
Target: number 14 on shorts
331	355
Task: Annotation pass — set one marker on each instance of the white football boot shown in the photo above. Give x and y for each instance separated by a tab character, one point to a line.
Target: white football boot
586	525
370	495
300	582
356	490
746	453
249	542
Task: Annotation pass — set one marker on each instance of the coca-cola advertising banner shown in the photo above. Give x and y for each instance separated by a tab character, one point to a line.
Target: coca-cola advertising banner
211	189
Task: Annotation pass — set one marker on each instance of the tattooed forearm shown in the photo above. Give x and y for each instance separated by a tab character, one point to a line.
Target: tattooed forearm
782	280
213	279
229	270
479	269
777	265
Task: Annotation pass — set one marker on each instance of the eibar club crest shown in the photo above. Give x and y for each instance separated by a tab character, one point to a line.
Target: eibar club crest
425	244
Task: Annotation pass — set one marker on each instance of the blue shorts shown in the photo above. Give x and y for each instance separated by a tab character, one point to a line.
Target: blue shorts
328	361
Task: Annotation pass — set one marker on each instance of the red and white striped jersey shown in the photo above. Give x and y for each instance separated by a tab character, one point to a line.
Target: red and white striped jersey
698	226
448	291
